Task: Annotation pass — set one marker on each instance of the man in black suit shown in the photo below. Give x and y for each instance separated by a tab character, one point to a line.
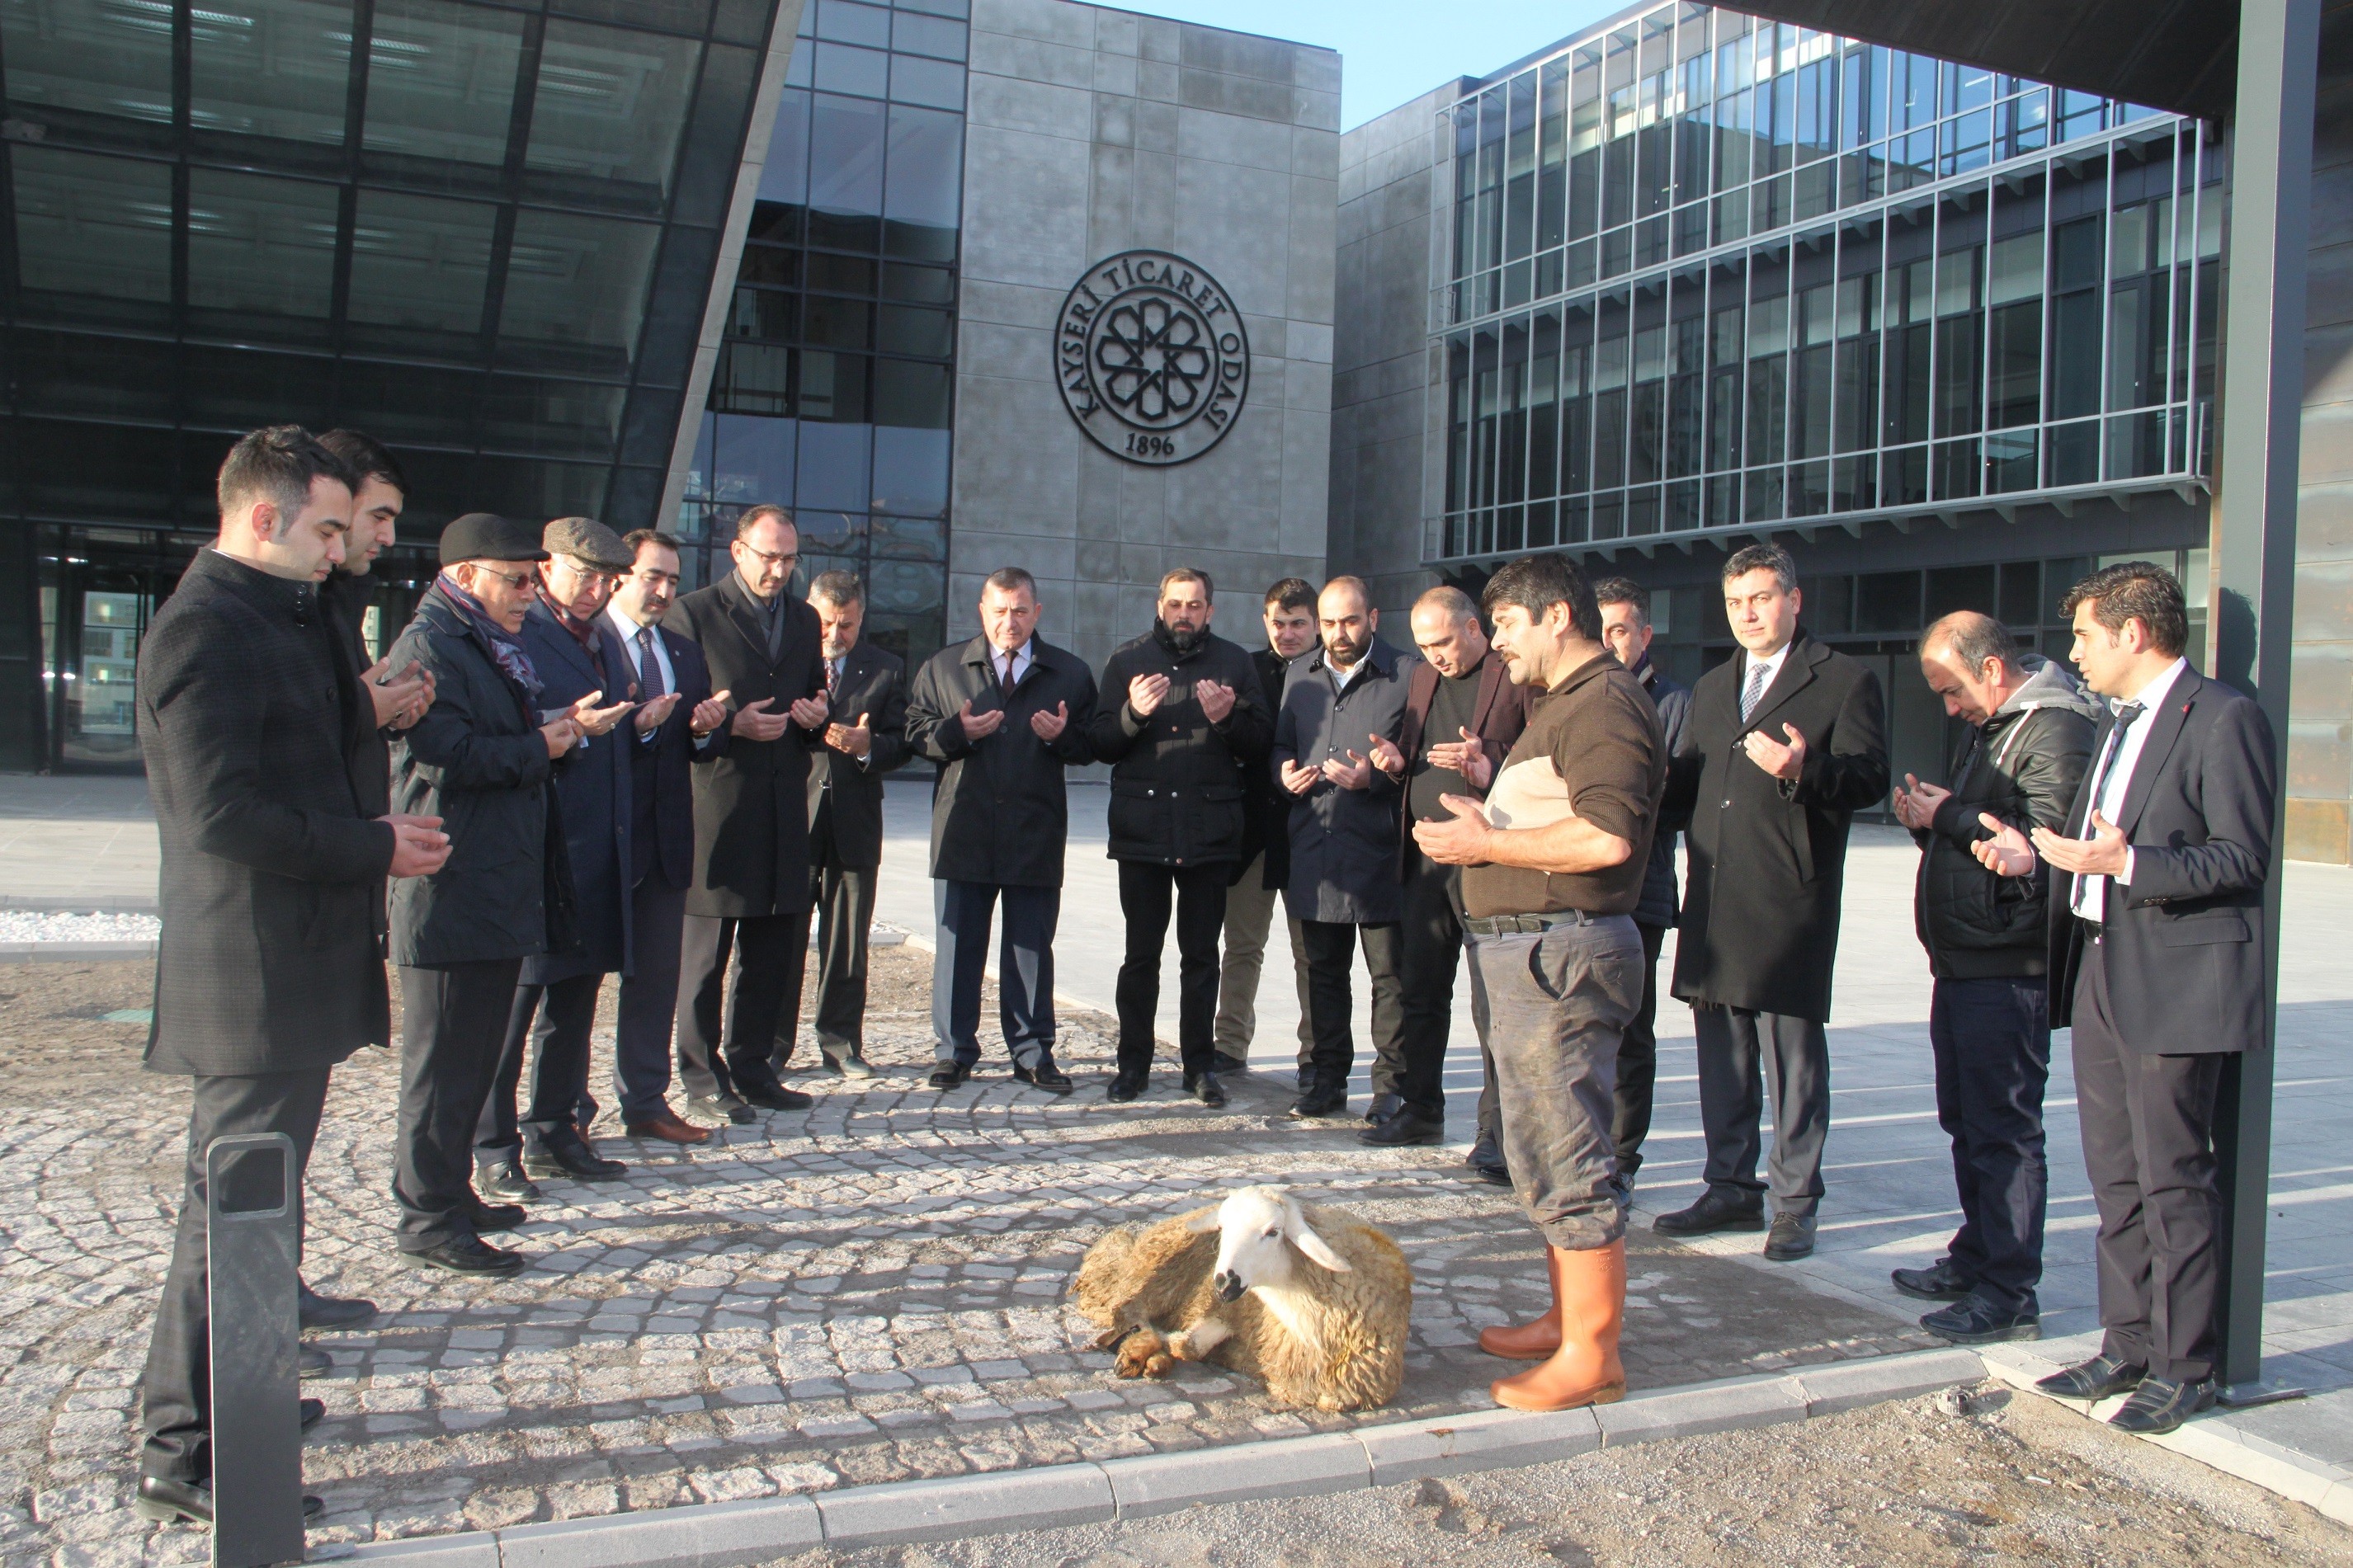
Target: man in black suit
661	831
1290	619
2157	961
751	891
269	970
1786	743
866	687
1003	716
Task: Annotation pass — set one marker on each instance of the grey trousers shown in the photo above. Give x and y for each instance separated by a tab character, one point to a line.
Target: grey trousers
1558	1002
1249	915
1794	1055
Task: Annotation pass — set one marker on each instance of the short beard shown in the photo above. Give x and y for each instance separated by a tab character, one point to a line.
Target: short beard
1180	642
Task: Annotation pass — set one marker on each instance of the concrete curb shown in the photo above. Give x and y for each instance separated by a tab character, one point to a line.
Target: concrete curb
86	904
724	1535
73	952
2217	1440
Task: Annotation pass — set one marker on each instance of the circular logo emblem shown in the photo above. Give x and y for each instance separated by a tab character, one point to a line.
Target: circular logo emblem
1152	356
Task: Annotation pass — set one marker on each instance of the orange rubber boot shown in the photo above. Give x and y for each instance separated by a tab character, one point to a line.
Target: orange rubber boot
1585	1369
1529	1342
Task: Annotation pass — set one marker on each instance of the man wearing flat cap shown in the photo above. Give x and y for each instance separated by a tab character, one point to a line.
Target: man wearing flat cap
484	759
578	657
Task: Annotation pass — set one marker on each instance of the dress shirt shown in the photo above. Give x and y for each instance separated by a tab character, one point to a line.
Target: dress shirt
1021	662
1771	664
627	629
2092	892
1340	677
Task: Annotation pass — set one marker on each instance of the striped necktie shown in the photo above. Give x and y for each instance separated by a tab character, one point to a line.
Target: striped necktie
1751	694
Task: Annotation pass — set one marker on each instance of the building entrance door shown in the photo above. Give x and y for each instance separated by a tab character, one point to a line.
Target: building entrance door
98	595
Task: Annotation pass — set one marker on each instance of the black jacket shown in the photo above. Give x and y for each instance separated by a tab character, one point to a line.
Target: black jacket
751	798
1343	842
1760	919
1266	809
2183	944
1659	901
662	789
271	872
345	599
844	796
1178	779
595	787
477	762
1000	806
2024	768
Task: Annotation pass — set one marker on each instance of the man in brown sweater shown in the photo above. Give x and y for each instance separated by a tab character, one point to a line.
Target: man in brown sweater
1555	863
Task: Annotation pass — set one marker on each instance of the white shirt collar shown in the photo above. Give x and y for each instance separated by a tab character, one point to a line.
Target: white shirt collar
1771	664
624	624
2153	695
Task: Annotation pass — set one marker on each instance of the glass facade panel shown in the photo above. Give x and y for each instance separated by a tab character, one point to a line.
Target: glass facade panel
270	67
260	245
575	290
109	59
1829	270
91	225
610	108
441	82
421	262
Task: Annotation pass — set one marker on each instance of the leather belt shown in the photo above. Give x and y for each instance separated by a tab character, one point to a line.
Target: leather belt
1526	925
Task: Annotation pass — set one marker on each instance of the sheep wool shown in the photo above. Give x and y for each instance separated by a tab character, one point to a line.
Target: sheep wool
1318	1339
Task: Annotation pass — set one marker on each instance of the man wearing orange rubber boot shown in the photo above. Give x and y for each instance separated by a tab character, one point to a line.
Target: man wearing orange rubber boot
1554	866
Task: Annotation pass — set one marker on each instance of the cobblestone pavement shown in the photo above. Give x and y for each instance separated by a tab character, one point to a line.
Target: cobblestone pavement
867	1292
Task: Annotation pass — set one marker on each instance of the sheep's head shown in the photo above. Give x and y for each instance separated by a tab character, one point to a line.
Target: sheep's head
1262	1234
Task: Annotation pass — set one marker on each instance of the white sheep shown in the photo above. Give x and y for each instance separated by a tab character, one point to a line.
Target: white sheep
1311	1301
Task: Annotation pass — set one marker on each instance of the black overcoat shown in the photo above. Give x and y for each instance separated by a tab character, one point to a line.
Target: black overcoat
873	685
1000	804
1178	780
1760	917
751	798
661	828
1343	842
1266	809
595	791
477	762
271	873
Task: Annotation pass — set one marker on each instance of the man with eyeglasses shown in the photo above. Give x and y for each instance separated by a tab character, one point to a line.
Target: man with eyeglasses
751	891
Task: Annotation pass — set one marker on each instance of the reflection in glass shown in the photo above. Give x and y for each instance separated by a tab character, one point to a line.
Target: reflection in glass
92	226
841	68
939	83
911	470
911	395
420	261
441	81
921	203
261	245
98	57
577	281
611	106
846	144
270	67
834	461
751	458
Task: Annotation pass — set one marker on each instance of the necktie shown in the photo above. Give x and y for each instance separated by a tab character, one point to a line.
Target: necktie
2125	717
1006	688
650	676
832	677
1750	694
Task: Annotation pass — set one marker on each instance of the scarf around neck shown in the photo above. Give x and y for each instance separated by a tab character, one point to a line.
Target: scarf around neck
504	645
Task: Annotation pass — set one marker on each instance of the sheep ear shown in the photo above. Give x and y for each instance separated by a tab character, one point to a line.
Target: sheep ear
1200	1222
1317	1249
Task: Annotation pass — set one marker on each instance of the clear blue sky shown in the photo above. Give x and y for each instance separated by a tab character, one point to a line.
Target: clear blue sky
1393	50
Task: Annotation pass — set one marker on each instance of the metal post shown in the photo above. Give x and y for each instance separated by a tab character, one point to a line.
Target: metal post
2255	565
251	1188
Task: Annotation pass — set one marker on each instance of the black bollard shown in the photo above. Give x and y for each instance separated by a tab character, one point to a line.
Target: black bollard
252	1230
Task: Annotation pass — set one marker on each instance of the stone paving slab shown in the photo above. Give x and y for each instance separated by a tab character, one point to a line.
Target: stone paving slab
869	1292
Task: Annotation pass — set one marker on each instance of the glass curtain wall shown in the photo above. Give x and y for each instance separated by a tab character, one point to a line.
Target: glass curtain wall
1710	271
483	233
833	393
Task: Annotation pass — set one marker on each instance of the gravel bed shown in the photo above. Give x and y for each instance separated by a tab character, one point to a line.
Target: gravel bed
45	925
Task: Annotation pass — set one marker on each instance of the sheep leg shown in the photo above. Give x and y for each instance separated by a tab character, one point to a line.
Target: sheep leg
1145	1354
1196	1342
1110	1338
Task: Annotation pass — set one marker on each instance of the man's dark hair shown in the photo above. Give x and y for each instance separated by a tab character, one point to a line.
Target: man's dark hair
367	457
1624	591
2136	591
1972	637
838	588
1763	557
637	538
1011	580
277	463
1188	575
1292	594
1536	583
766	511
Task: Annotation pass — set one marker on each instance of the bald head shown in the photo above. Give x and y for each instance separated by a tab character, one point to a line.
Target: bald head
1446	630
1968	659
1345	618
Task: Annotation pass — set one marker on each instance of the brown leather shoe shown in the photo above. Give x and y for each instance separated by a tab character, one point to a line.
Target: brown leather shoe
667	1125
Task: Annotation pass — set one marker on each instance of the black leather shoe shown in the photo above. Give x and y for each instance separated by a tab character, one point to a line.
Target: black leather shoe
774	1096
1125	1088
1207	1088
1974	1320
310	1360
2092	1380
506	1181
472	1256
1483	1152
723	1107
1383	1107
319	1312
2157	1406
1045	1076
313	1411
1717	1210
1494	1176
1792	1238
1621	1187
1940	1281
563	1156
947	1075
1223	1063
487	1217
1319	1101
1408	1126
181	1502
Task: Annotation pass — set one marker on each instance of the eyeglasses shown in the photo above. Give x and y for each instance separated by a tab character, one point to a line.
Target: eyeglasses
784	559
514	580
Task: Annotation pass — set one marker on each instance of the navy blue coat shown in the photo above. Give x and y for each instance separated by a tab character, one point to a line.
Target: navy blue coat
1343	842
593	790
661	823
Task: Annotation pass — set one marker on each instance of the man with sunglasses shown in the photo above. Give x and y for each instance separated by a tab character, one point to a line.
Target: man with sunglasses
751	891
